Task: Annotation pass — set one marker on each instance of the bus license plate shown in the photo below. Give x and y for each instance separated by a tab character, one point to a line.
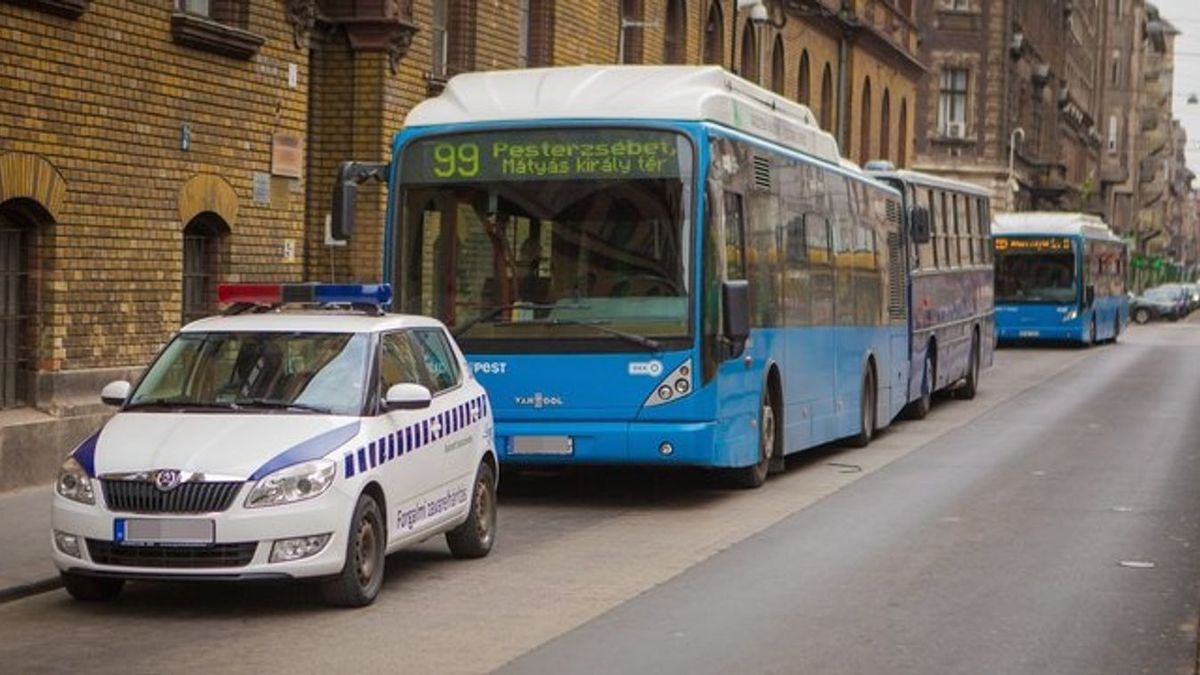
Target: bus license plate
1029	333
163	531
541	445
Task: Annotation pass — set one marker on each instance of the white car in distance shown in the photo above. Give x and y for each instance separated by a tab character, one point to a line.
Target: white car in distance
276	441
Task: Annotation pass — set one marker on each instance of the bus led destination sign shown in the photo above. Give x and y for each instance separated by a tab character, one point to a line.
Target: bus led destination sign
1033	244
561	154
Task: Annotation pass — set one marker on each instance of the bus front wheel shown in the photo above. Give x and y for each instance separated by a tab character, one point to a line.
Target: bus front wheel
753	476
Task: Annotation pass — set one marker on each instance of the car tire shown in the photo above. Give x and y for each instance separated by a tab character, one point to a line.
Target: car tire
358	584
1141	315
92	589
475	536
753	476
867	411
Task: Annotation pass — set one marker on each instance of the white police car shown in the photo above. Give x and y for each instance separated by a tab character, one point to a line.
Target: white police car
269	443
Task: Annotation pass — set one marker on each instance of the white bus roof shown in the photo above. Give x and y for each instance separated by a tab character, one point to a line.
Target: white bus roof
930	180
679	93
1047	222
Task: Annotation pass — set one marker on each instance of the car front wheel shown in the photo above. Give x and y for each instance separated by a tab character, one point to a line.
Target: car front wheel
1141	315
362	575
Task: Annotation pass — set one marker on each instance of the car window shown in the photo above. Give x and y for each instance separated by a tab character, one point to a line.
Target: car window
438	357
399	364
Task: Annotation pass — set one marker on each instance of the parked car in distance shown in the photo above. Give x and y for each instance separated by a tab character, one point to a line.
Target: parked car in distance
1160	302
280	442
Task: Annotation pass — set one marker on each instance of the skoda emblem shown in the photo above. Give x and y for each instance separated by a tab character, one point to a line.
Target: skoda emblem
166	480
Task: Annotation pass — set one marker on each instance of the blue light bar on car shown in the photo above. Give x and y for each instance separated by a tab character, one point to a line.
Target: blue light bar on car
323	294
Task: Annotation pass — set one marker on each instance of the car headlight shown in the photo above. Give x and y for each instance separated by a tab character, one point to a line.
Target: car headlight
74	483
293	484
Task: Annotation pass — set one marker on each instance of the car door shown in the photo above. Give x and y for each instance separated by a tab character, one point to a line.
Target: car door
453	424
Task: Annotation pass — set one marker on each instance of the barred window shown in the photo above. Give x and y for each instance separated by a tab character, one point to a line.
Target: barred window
201	267
14	314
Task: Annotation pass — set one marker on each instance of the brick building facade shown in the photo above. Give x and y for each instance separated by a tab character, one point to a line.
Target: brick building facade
151	149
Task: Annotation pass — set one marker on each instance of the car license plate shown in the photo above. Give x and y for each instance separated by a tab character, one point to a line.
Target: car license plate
541	445
164	531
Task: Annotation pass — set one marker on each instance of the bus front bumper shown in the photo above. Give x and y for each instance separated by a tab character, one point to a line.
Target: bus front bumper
582	443
1067	331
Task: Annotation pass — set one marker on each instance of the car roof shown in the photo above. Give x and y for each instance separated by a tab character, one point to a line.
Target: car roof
311	321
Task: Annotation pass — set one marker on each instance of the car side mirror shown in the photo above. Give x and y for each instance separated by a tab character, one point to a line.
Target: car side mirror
735	310
919	231
115	393
407	397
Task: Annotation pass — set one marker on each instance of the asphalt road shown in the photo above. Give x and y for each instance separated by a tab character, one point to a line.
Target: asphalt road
985	539
1056	534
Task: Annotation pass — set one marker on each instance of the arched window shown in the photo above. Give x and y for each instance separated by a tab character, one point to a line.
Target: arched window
749	69
714	45
864	142
885	123
827	99
629	47
15	306
675	45
902	150
202	239
777	66
804	86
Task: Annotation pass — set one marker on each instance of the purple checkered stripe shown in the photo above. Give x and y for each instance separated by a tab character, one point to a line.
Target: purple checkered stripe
414	436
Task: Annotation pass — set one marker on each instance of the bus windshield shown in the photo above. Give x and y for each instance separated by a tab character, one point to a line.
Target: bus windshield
1035	270
560	234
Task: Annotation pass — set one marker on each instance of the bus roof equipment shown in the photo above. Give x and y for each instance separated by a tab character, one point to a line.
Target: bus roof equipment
1050	222
621	93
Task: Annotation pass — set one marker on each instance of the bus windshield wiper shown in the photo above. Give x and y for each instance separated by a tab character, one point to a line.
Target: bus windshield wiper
500	309
640	340
280	405
164	402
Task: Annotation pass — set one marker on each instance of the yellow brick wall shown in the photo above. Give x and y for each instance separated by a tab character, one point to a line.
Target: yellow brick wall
102	98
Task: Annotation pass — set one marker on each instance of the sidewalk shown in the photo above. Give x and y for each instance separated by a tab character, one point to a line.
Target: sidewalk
25	566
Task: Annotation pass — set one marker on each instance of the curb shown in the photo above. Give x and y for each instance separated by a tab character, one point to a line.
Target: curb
27	589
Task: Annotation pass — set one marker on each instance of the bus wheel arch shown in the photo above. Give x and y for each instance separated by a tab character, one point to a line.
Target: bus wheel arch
868	402
769	427
773	387
919	408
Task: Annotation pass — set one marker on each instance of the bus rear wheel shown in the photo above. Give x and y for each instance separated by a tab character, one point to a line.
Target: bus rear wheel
866	411
970	384
919	409
753	476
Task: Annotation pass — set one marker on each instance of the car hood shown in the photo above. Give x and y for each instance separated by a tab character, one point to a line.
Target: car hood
243	446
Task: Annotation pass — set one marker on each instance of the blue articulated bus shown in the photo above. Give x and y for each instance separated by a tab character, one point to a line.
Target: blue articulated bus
1059	277
650	265
951	300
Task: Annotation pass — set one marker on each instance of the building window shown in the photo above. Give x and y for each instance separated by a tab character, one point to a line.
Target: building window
14	299
201	267
957	5
902	150
437	33
952	103
864	153
234	13
539	33
714	45
749	68
1113	125
804	85
524	30
452	33
675	45
885	126
217	26
629	43
777	66
827	99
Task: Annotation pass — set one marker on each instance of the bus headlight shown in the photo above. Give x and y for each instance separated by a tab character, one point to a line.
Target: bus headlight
676	385
1071	315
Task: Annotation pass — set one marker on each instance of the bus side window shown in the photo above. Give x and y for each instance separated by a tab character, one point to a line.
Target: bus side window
735	237
935	228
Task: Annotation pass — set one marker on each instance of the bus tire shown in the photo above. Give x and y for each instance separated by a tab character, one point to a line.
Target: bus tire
361	577
919	409
867	411
970	384
1116	329
753	476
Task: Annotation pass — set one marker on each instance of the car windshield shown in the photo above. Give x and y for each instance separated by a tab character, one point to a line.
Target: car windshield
253	372
549	234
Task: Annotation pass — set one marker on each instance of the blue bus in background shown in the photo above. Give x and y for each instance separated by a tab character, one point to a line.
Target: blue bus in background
1059	277
651	265
952	309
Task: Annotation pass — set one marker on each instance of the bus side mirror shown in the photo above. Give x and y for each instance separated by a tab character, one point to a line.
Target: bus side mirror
1089	296
918	217
345	194
735	308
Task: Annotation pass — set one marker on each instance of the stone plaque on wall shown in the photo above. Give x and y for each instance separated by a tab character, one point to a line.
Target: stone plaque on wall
287	154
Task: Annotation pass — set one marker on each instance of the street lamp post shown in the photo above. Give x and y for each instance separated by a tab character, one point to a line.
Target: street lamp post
1013	187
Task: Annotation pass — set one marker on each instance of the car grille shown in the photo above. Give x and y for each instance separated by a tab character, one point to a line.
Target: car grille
215	555
143	497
